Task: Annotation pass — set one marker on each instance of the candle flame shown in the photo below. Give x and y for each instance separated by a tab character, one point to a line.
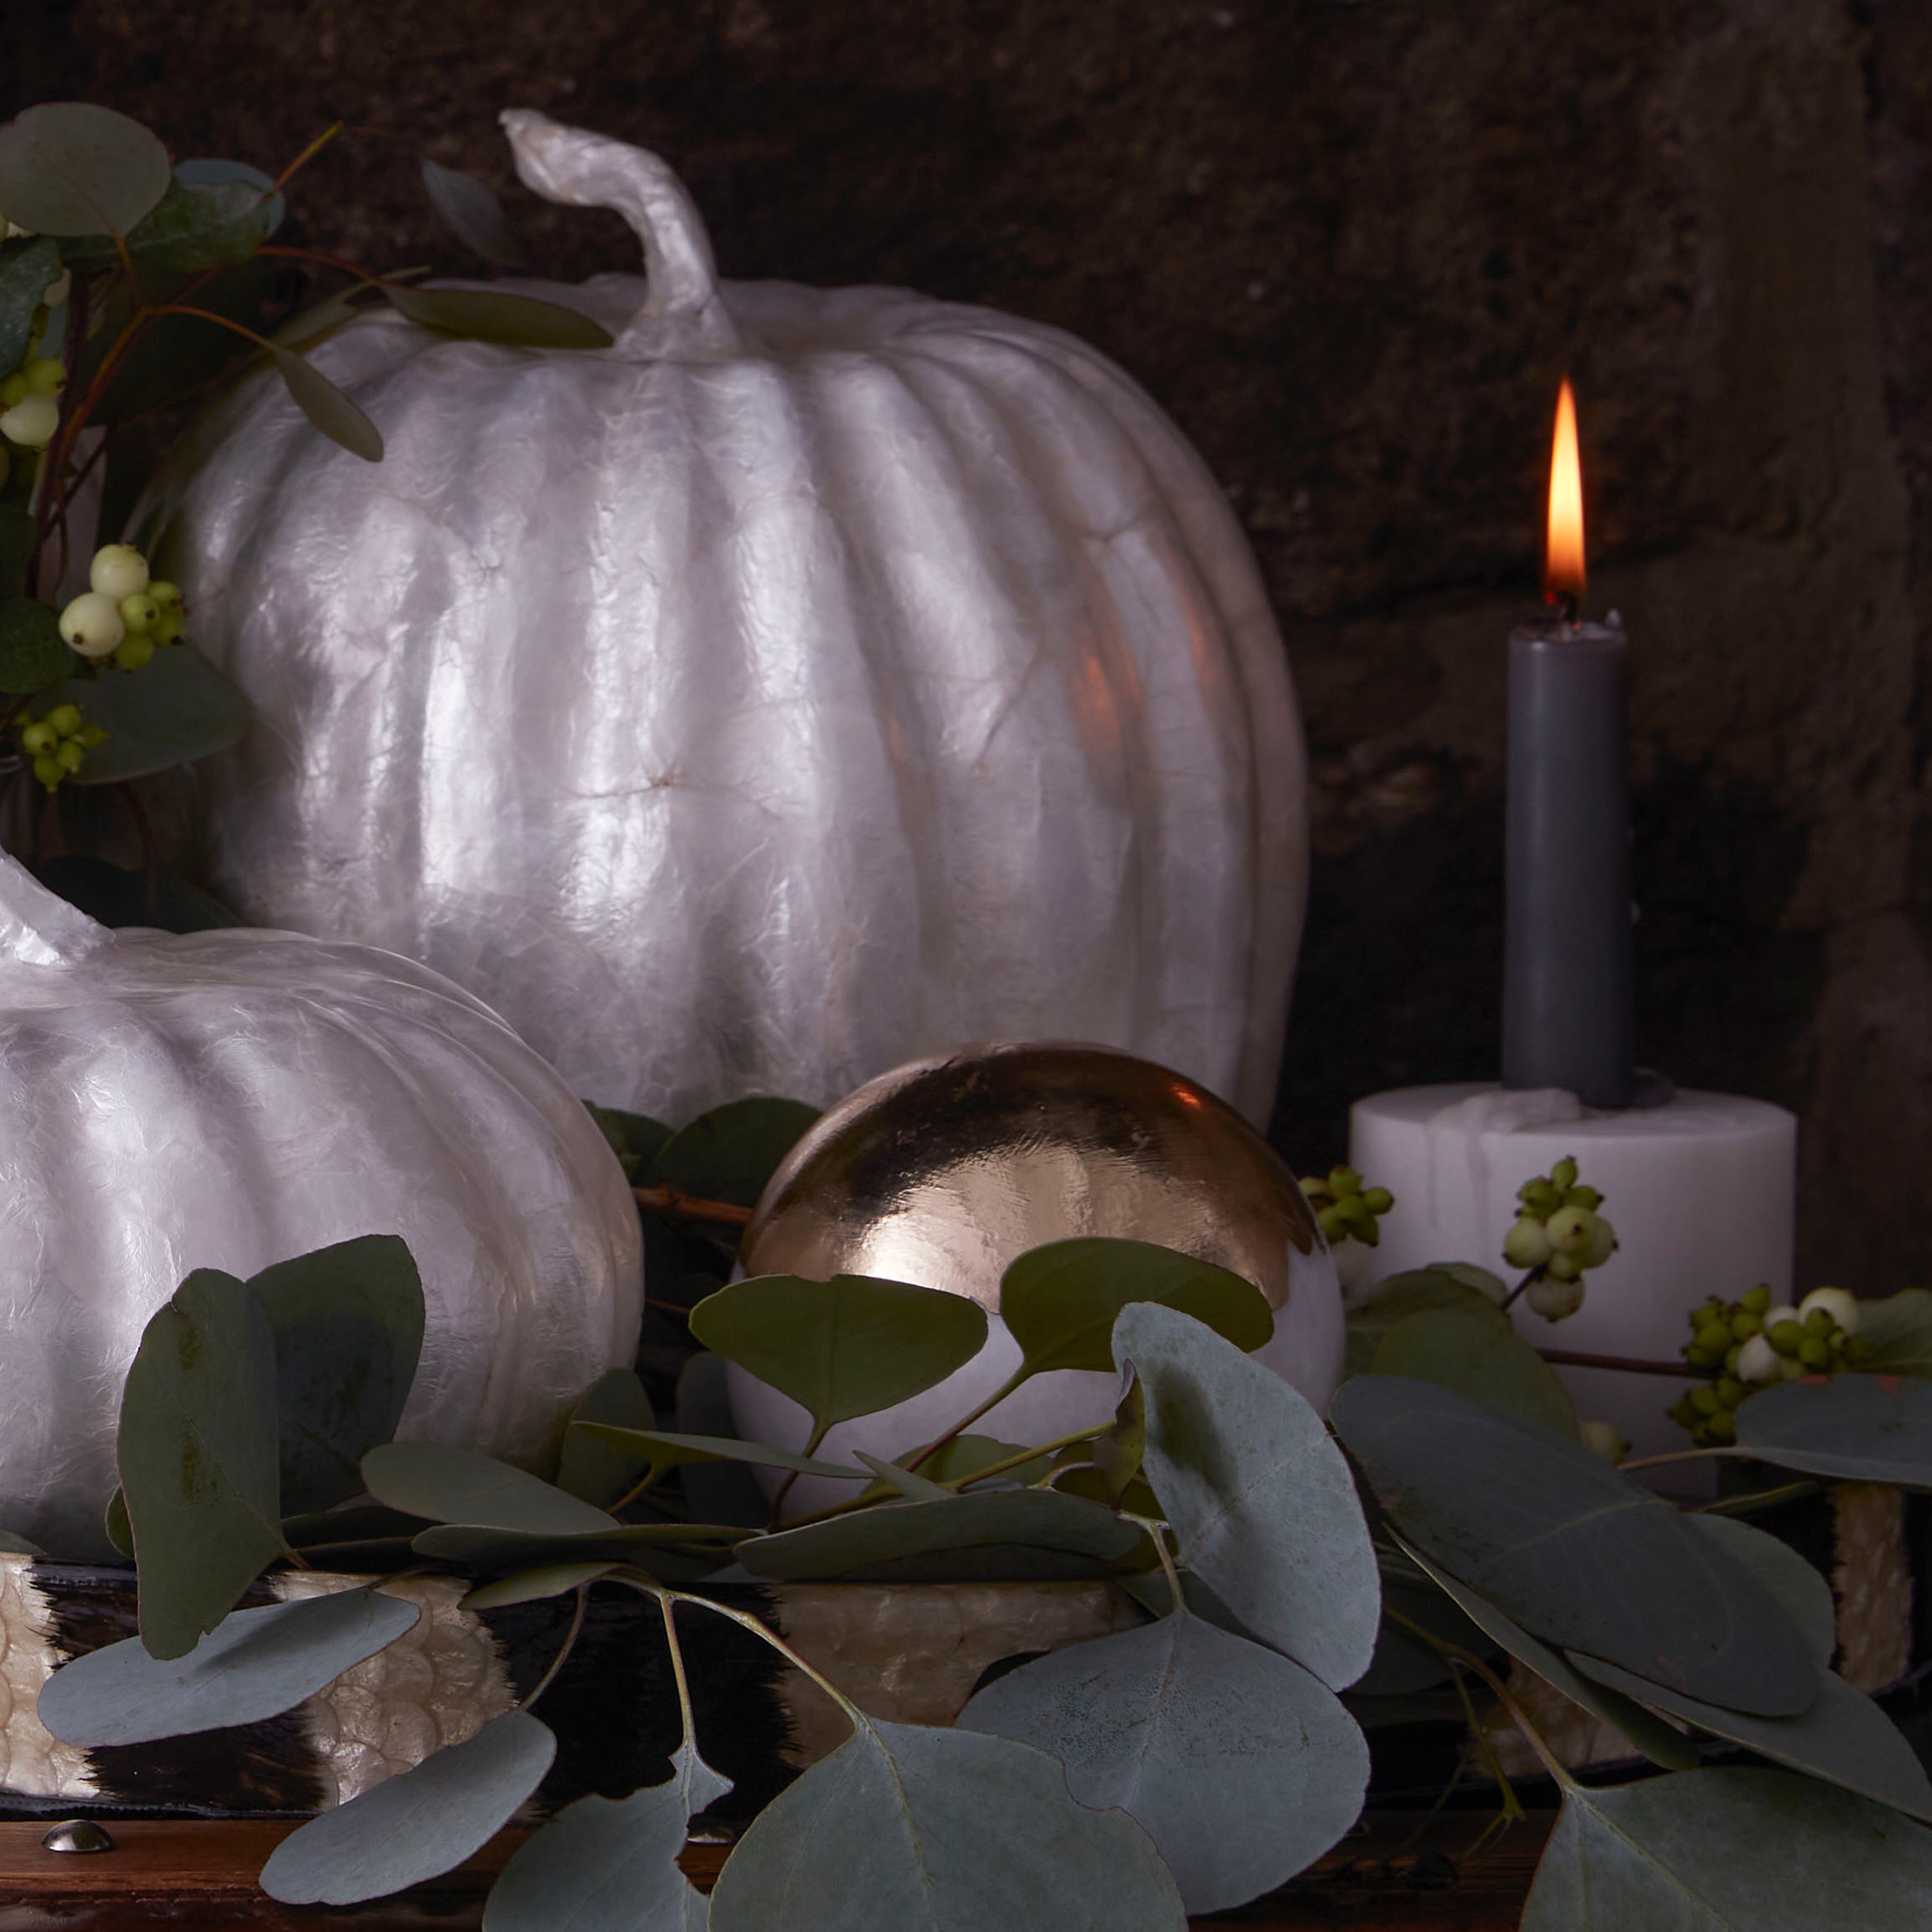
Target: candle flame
1563	560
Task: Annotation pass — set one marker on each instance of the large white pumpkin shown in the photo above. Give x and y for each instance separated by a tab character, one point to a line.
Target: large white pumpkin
813	680
230	1099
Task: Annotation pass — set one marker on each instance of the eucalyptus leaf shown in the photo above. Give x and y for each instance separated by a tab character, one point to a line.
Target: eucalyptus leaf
1119	1448
1082	1479
1805	1594
472	214
1662	1743
1243	1767
729	1153
492	315
349	1328
844	1347
907	1483
260	1664
14	1544
1898	1331
1260	1500
532	1586
690	1549
1403	1662
610	1865
940	1831
33	653
597	1470
1730	1851
69	168
1860	1428
1439	1289
965	1456
213	211
198	1454
1844	1737
1565	1546
417	1825
326	407
666	1449
114	1526
178	707
446	1484
25	272
999	1534
1476	1352
118	895
634	1139
720	1492
1061	1300
356	1523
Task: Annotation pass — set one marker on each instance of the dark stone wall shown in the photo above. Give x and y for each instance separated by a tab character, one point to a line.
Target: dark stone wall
1352	247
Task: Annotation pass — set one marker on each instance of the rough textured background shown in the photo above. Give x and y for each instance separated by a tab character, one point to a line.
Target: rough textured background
1352	247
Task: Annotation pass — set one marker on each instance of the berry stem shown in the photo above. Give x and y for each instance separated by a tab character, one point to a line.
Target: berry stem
1529	1281
1635	1365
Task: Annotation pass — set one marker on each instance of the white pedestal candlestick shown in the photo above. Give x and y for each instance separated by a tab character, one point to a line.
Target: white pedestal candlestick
1700	1191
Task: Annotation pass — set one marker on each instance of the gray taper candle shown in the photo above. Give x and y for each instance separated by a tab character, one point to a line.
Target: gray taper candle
1568	1020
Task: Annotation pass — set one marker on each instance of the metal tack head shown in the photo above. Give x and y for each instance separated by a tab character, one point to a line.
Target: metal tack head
79	1834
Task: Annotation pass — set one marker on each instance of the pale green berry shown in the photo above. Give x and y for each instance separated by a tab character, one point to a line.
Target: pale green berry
44	375
169	597
1564	1173
133	653
1555	1300
1527	1244
1569	1229
1345	1180
1816	1352
1730	1391
1720	1428
31	422
1715	1337
1563	1267
1603	1242
92	624
1378	1200
117	571
140	612
69	755
1334	1226
1704	1401
1786	1336
1757	1361
1539	1198
91	735
167	627
65	718
38	738
1841	1307
1758	1301
49	769
1602	1438
14	389
1818	1322
1583	1197
1743	1325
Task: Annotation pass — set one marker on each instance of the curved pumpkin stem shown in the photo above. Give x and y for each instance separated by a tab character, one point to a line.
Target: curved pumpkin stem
38	928
579	169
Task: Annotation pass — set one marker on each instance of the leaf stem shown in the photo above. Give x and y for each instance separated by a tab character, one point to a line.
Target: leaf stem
302	160
677	1671
1679	1455
1529	1280
1158	1530
569	1644
1021	1375
691	1207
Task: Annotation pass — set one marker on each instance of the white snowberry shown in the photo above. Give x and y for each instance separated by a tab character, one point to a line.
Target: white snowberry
31	422
92	624
118	571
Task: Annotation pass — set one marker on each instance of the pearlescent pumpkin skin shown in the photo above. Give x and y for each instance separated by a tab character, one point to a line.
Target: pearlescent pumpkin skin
230	1099
813	680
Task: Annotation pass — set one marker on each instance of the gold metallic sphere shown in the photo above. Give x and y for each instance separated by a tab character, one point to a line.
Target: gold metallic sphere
943	1172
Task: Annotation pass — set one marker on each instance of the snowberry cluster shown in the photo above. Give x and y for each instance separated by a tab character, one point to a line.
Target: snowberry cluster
1345	1209
125	614
29	397
58	742
1747	1345
1557	1235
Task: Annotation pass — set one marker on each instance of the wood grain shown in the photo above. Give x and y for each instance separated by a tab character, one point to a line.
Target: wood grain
1392	1874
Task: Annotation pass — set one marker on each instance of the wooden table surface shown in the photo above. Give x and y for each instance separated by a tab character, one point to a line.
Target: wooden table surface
177	1873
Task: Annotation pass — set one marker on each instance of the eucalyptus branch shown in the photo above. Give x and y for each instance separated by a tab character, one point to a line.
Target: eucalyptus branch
302	160
1679	1456
1484	1745
1019	1376
570	1637
1158	1530
1634	1365
672	1644
691	1207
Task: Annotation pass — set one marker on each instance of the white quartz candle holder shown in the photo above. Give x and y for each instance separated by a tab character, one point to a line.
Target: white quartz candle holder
1699	1190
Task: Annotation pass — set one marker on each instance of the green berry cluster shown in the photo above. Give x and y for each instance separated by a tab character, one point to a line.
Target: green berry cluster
58	742
124	614
1347	1210
1747	1345
1557	1234
29	396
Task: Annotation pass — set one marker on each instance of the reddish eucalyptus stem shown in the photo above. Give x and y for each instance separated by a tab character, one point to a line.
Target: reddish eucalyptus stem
692	1208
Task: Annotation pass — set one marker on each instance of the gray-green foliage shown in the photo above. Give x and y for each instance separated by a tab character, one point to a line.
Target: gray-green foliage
71	168
178	708
447	1484
1243	1767
1862	1428
417	1825
961	1833
1730	1851
26	268
1574	1552
472	214
591	1467
1261	1501
730	1153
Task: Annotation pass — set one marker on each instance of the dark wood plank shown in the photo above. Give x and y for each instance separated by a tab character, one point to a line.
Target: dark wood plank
183	1872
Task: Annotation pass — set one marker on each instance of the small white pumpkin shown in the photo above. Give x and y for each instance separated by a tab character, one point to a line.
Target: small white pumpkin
813	680
230	1099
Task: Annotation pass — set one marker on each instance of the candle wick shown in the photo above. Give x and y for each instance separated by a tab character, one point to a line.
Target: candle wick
1566	607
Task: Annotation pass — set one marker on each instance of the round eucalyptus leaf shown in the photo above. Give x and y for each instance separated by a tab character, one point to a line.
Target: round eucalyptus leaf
447	1484
940	1830
1898	1330
260	1664
417	1824
1061	1300
1573	1551
1844	1738
610	1865
729	1153
1260	1500
1663	1743
844	1347
664	1448
998	1535
533	1586
1441	1288
200	1458
214	211
1730	1851
488	315
178	707
1805	1594
1243	1767
69	168
600	1471
1860	1428
472	214
1476	1351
